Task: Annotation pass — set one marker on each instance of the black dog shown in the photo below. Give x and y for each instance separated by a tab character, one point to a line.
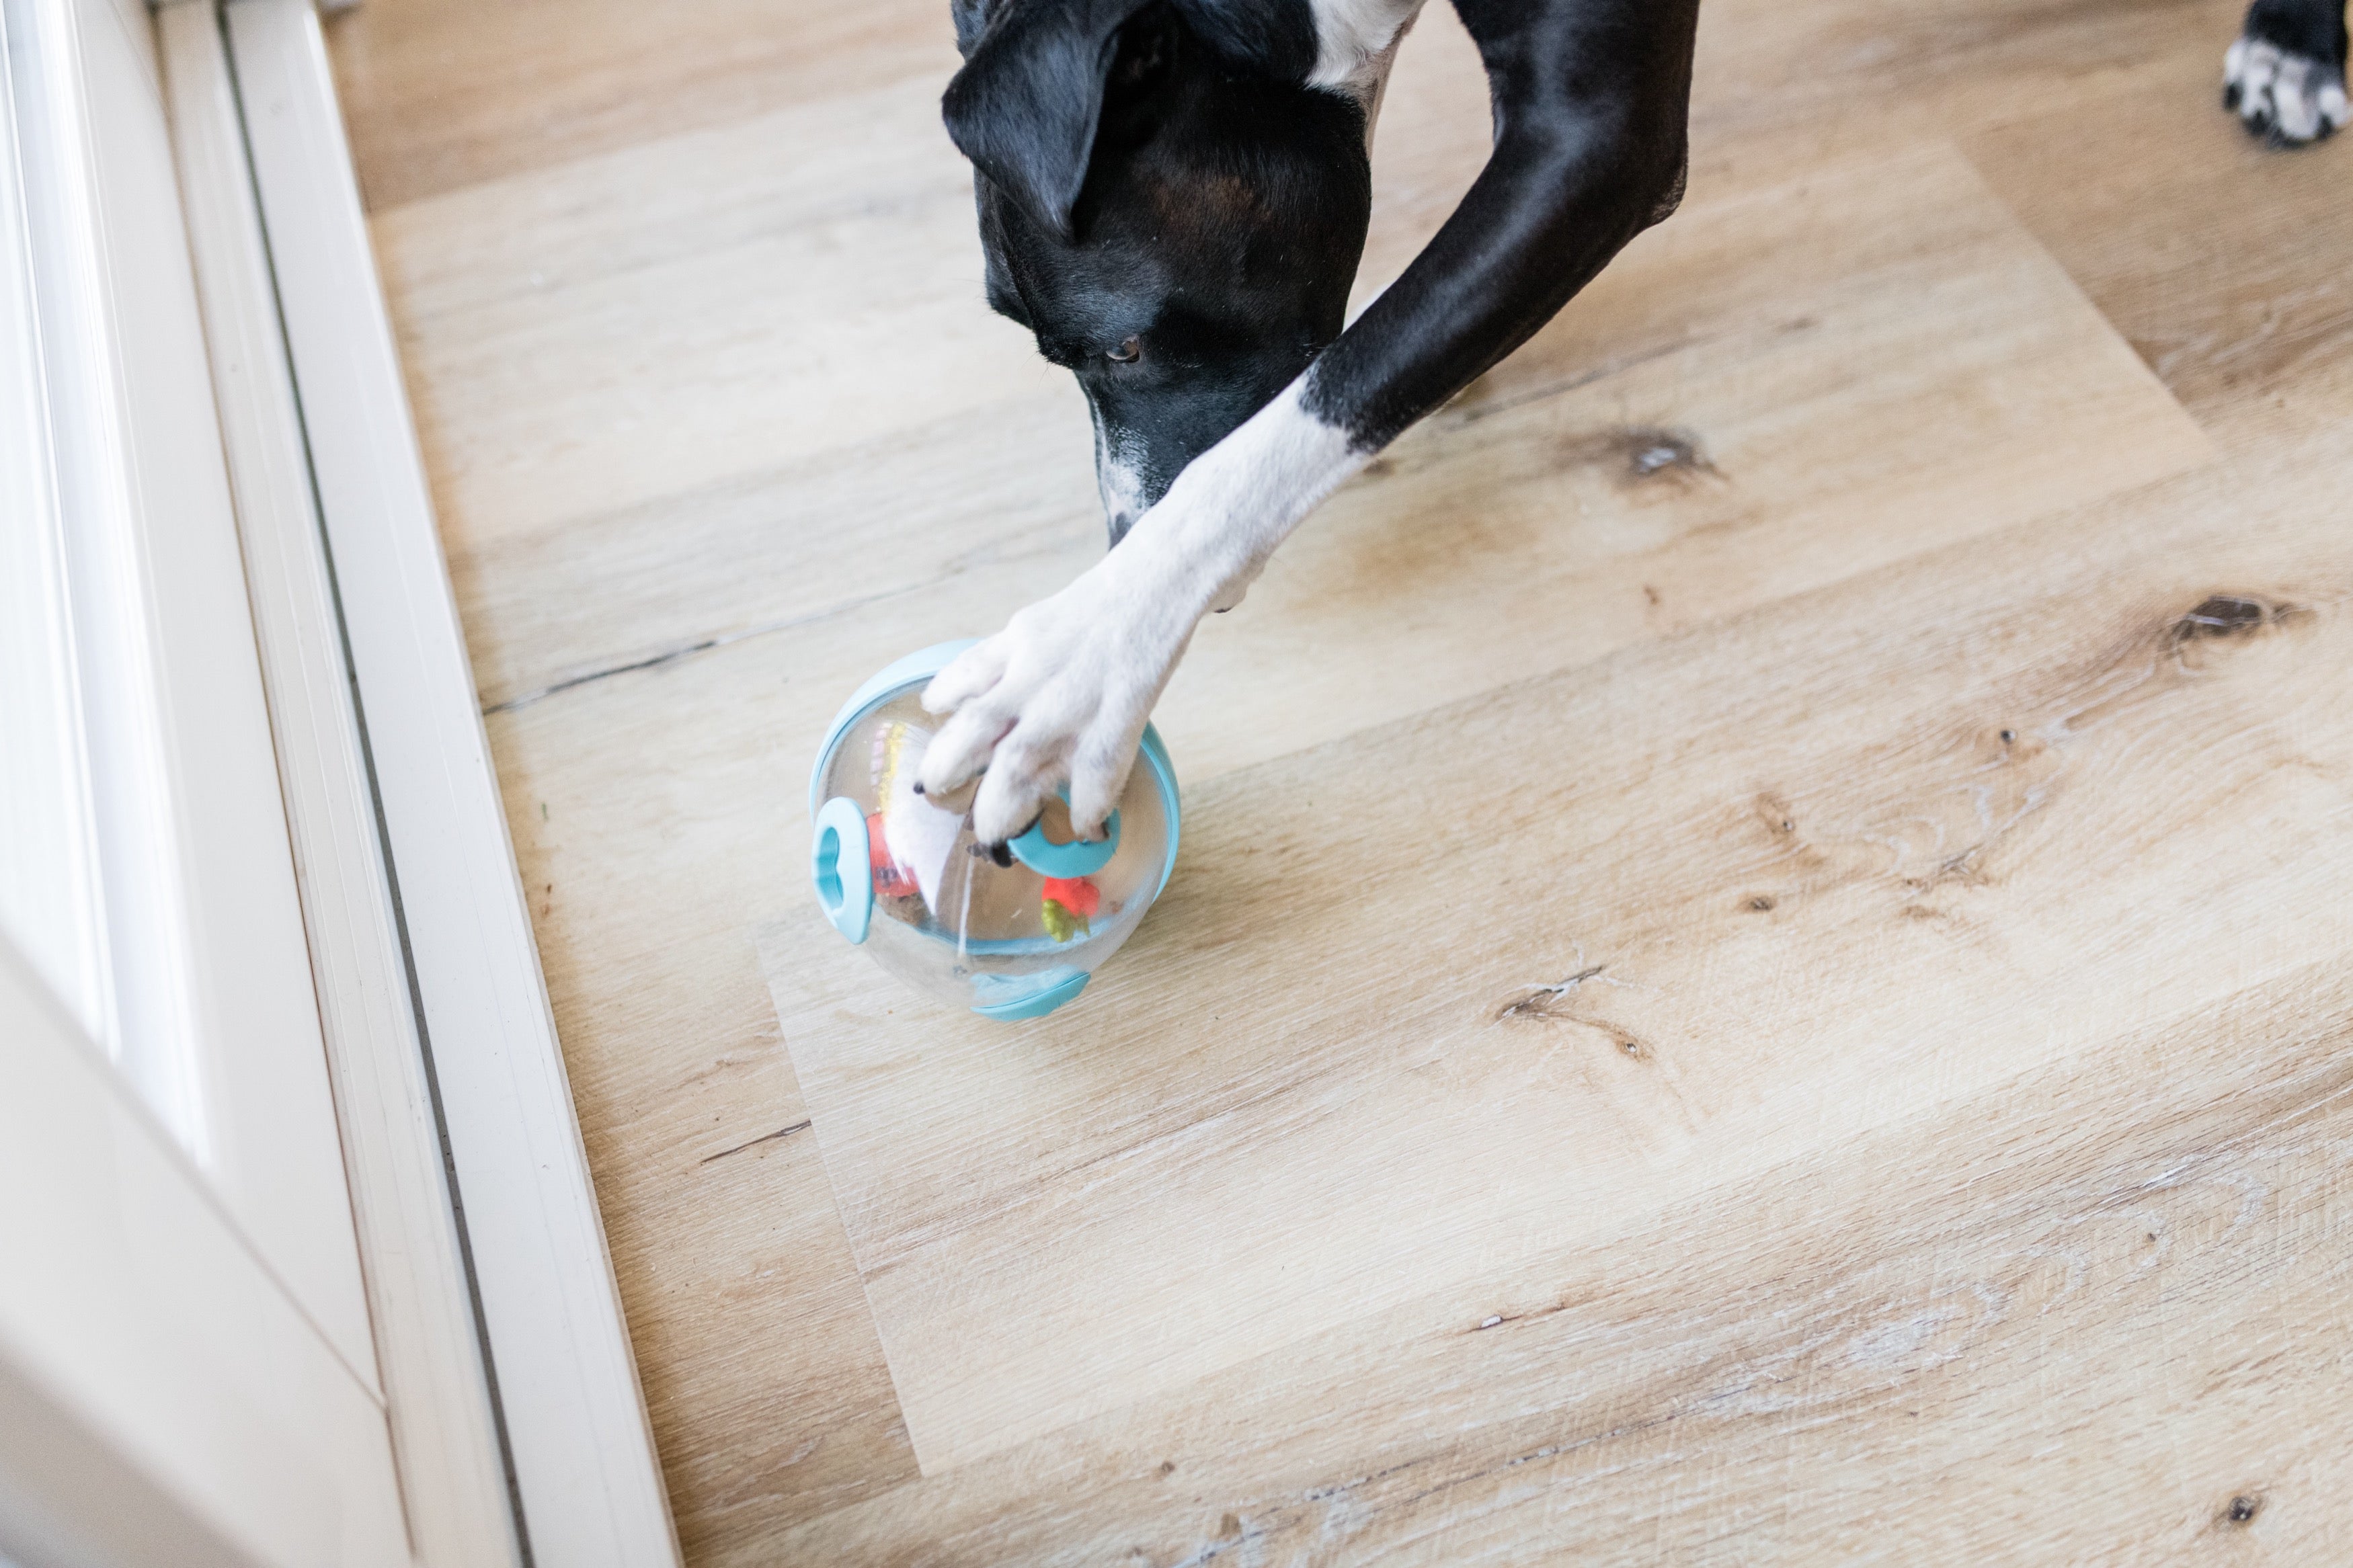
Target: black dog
1174	196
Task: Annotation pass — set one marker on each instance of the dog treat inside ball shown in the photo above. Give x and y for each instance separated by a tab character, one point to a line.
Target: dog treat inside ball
1010	930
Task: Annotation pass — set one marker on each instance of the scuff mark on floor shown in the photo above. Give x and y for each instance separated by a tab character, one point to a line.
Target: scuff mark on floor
1535	1004
800	1126
1642	454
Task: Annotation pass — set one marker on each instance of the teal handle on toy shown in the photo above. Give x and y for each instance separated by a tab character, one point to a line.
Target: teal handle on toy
842	862
1078	857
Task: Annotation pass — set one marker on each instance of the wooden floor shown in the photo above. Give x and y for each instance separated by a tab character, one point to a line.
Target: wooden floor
1794	1005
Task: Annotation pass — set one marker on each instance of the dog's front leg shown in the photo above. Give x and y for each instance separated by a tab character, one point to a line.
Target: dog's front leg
1591	101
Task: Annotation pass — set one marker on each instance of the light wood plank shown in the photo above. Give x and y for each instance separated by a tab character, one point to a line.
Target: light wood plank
1825	892
696	357
449	93
2222	261
697	763
1835	73
763	1377
618	364
2003	1332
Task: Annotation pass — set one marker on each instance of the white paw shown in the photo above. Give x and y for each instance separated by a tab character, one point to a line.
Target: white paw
2285	98
1062	695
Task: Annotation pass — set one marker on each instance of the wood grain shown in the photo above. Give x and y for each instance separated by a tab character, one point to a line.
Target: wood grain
764	1376
442	94
644	949
1382	1100
2221	262
2048	1339
1970	1188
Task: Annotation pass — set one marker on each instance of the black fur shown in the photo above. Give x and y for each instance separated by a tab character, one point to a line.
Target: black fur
1273	38
1590	100
2313	29
1026	105
1276	38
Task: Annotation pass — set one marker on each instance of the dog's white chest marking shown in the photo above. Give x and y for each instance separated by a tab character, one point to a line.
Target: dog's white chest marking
1356	41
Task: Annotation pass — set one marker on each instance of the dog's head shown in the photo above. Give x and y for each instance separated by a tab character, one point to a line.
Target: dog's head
1167	206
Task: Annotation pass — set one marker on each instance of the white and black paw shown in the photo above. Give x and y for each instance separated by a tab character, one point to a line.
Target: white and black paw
2285	98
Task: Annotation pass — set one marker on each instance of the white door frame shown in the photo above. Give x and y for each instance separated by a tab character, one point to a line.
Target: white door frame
165	1400
438	1387
585	1474
492	1340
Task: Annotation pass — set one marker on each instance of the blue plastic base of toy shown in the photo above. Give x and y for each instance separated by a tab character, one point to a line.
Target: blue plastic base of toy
1038	1002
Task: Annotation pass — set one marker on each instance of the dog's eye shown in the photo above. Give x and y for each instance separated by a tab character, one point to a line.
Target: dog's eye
1128	351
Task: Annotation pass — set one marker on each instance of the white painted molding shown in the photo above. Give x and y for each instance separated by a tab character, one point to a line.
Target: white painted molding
420	1300
165	1401
48	858
215	1018
586	1476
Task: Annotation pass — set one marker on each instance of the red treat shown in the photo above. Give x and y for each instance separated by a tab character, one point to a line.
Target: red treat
1075	894
891	880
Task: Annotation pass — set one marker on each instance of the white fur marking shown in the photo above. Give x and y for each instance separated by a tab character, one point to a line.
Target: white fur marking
1119	478
1354	43
2292	97
1376	92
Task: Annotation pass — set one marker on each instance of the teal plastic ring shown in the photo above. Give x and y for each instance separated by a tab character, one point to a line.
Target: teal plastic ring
1078	857
1033	996
841	859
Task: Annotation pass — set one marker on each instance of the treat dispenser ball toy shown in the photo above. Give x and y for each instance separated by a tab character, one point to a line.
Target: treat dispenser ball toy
1011	934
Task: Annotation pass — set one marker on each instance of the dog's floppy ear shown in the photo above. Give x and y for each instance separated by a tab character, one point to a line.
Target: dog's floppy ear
971	19
1026	105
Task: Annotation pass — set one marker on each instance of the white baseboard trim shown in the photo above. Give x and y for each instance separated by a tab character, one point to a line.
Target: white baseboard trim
585	1474
446	1442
